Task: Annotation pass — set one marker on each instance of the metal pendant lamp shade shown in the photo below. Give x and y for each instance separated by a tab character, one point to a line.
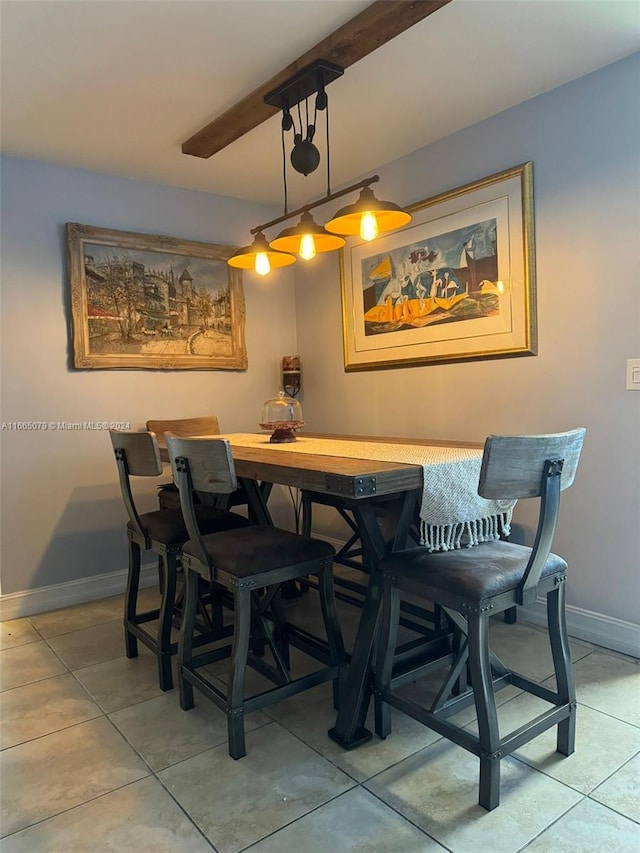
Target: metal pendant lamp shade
259	256
388	215
307	238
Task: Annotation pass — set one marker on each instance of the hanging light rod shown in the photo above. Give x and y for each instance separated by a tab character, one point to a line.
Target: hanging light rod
327	198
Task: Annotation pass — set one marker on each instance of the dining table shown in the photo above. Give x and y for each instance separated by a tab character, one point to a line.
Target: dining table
362	473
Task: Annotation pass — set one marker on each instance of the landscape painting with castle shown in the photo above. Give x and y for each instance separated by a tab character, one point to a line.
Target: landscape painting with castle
153	302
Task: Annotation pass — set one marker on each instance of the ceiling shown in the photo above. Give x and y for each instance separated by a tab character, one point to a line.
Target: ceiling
118	86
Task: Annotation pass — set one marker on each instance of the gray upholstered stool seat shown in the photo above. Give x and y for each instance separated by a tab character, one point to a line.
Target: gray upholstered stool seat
476	573
264	550
167	525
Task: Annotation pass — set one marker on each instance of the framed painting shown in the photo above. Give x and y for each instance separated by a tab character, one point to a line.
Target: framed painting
149	302
457	283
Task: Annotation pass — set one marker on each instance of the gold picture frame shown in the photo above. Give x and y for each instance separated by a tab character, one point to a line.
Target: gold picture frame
456	284
150	302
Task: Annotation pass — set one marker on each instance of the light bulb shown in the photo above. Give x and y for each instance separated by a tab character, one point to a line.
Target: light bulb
262	263
368	226
307	247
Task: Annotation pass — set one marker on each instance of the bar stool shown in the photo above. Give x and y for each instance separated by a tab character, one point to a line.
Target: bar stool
163	532
251	565
474	584
168	497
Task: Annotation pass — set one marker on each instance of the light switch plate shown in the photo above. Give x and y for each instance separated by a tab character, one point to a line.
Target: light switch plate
633	374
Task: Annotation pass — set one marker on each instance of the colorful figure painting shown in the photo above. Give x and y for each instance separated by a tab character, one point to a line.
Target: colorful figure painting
448	278
456	283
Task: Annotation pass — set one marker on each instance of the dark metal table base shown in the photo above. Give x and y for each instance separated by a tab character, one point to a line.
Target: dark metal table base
349	730
357	739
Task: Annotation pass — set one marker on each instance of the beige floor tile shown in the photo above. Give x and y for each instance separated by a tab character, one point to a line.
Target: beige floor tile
78	616
320	695
46	706
622	790
311	720
305	612
424	690
25	664
164	734
355	821
602	743
89	646
609	684
17	632
148	598
76	781
589	828
301	664
437	789
619	655
121	682
46	776
525	648
236	803
140	816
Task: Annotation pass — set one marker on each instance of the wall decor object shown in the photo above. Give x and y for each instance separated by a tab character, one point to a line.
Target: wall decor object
291	375
149	302
458	283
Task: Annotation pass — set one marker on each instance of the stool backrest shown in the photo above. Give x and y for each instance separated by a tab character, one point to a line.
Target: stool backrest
530	466
210	463
203	464
137	454
512	465
186	426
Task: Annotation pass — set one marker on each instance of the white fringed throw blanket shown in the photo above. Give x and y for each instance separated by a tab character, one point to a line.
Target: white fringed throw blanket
452	513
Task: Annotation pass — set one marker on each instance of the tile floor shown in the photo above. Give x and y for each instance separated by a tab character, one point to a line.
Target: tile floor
95	757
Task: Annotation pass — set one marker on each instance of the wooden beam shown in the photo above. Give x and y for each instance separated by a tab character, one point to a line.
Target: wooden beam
374	26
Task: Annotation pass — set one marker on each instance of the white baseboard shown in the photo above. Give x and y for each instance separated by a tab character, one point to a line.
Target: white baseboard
593	627
18	604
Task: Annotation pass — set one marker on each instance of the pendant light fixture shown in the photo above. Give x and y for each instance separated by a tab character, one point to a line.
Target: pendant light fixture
259	257
367	217
307	238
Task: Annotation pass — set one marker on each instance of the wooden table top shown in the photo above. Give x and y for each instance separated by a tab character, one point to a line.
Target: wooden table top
338	475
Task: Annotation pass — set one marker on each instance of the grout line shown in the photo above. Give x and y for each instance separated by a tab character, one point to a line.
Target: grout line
184	811
553	823
610	776
71	808
297	819
404	816
154	774
317	752
613	809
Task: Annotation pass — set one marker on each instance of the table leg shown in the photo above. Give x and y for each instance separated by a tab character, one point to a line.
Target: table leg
349	730
257	499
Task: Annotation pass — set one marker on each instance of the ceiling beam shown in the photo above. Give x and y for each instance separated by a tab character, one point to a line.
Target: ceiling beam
374	26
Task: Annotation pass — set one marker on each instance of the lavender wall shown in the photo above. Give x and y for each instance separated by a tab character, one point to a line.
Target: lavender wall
62	516
583	141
